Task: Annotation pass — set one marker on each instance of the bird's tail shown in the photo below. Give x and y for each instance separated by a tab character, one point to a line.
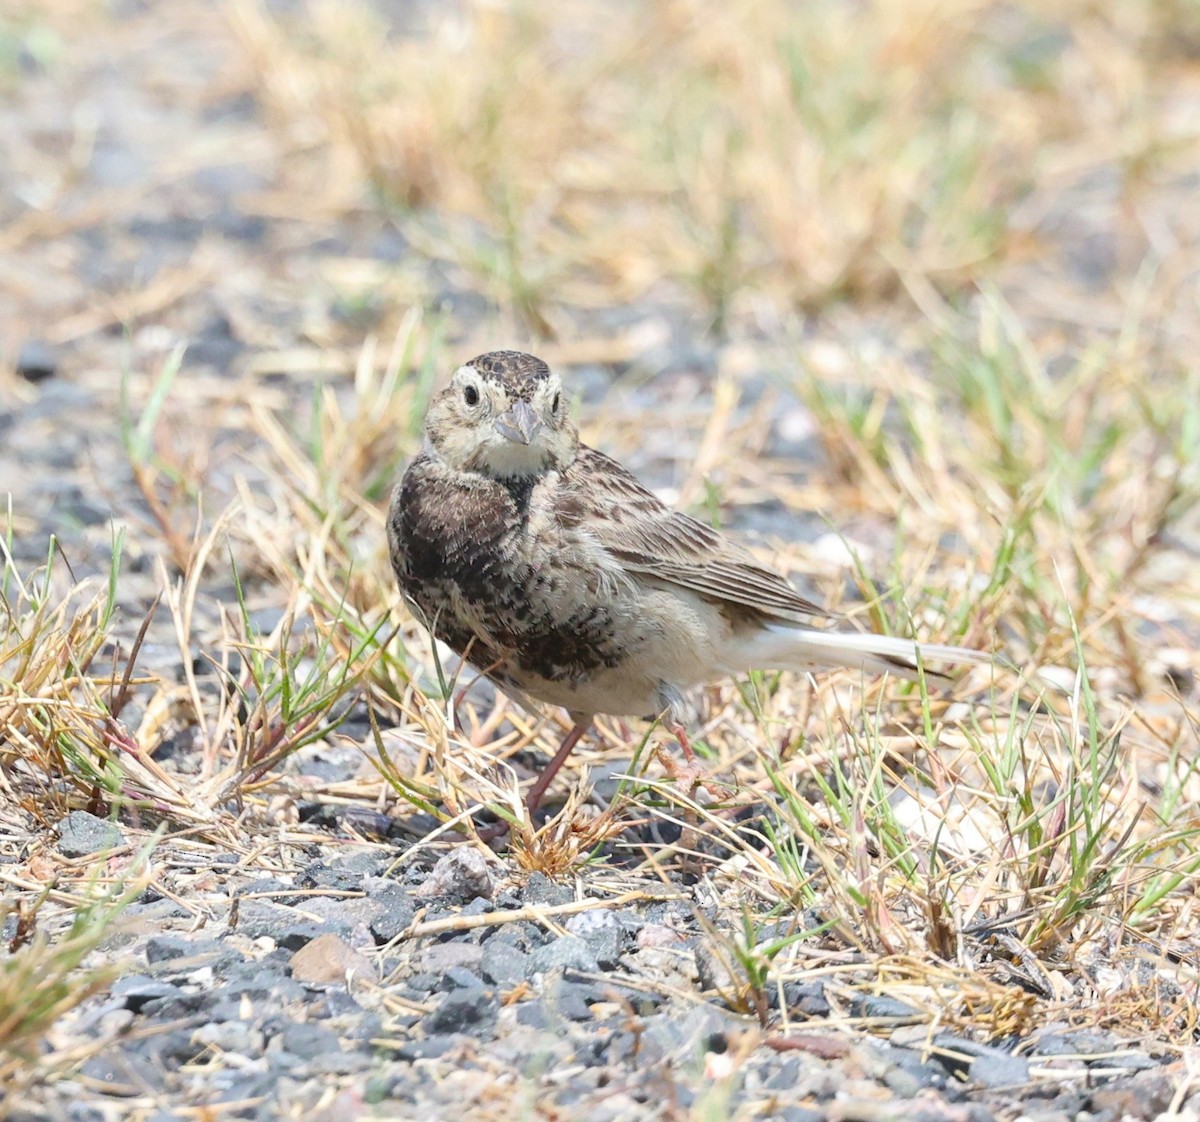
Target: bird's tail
780	647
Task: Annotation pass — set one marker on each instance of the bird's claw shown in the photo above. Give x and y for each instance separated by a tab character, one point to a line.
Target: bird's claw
691	774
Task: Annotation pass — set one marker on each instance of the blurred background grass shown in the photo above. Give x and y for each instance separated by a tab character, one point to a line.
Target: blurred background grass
588	151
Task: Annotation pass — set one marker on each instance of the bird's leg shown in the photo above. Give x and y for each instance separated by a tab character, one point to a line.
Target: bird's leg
681	737
534	798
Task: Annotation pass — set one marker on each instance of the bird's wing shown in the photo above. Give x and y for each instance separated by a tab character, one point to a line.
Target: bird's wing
646	536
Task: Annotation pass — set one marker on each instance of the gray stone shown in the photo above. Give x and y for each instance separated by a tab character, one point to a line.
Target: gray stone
801	1114
924	1073
440	957
340	1063
807	998
345	873
265	886
503	964
603	932
259	981
36	361
397	914
172	1049
1127	1061
420	986
785	1076
242	1083
568	952
459	877
532	1014
287	926
308	1040
172	955
428	1048
166	948
284	1063
713	970
231	1036
296	935
540	889
470	1011
460	978
481	905
522	935
81	508
111	1069
882	1007
1082	1042
81	834
356	912
571	1000
672	1031
136	990
984	1064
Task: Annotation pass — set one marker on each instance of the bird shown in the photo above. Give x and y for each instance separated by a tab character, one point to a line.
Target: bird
546	565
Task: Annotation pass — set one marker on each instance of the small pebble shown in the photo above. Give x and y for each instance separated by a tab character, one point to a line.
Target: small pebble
81	834
36	361
329	959
460	876
569	952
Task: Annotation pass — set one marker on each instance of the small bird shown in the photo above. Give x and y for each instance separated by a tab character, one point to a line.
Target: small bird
552	570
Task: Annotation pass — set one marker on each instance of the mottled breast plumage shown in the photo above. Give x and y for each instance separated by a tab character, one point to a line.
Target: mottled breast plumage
470	553
446	529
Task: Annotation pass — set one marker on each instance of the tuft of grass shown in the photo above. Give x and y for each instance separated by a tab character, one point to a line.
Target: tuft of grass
168	480
44	977
59	703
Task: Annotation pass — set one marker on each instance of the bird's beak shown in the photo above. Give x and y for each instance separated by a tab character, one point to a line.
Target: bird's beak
520	424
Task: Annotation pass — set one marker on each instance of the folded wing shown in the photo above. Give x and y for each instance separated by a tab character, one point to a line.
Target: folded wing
647	537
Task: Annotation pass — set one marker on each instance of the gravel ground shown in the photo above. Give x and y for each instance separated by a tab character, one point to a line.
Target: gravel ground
309	992
314	974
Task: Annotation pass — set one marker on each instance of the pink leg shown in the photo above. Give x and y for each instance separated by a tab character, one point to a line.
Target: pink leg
534	798
680	734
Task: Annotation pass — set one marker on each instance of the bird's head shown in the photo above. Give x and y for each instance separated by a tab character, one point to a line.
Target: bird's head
503	415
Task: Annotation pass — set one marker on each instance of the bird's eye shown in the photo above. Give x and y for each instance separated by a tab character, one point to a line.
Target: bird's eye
470	395
555	403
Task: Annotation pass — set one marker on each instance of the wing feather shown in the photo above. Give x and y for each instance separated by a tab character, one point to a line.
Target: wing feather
646	536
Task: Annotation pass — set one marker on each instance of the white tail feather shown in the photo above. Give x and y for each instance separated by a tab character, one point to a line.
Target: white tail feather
780	647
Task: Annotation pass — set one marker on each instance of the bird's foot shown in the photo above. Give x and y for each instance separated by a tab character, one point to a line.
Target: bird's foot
692	774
